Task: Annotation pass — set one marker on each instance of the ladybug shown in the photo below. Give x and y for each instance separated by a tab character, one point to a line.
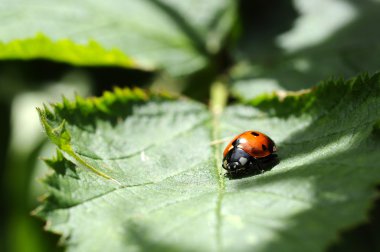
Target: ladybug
250	151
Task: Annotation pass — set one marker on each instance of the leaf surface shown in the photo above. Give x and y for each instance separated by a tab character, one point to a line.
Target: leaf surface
149	34
139	172
303	42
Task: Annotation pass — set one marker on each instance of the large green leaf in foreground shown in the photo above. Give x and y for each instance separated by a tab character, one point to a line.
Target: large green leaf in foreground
139	173
175	35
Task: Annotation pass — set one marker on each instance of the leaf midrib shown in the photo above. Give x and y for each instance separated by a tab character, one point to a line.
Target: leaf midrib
217	104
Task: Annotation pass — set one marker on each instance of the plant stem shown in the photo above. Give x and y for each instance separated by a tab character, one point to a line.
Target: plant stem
219	95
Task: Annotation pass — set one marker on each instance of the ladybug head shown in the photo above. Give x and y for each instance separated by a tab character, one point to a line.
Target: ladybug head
236	159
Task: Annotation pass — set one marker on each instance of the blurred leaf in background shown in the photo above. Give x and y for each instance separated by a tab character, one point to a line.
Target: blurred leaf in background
296	46
175	35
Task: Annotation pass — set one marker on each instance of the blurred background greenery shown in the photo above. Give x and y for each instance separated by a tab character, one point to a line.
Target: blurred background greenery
273	45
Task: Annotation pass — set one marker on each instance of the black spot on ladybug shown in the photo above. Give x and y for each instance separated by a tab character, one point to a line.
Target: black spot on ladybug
255	133
234	143
264	147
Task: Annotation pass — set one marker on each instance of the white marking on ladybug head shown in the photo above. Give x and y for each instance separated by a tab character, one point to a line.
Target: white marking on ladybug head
243	160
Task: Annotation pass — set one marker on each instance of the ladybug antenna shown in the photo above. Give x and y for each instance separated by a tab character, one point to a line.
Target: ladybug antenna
220	141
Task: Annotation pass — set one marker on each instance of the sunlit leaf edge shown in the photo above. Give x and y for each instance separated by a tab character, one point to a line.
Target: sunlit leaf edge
65	50
318	98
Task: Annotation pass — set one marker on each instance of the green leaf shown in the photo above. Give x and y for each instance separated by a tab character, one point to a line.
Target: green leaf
140	172
65	50
174	35
288	52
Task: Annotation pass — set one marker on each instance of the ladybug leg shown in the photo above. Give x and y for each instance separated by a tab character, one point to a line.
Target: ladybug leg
234	173
255	166
260	167
227	174
268	162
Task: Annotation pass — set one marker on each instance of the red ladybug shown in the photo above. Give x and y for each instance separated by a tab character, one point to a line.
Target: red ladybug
249	151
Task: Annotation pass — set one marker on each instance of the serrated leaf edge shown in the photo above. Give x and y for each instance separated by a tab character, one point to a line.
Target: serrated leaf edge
61	137
309	98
